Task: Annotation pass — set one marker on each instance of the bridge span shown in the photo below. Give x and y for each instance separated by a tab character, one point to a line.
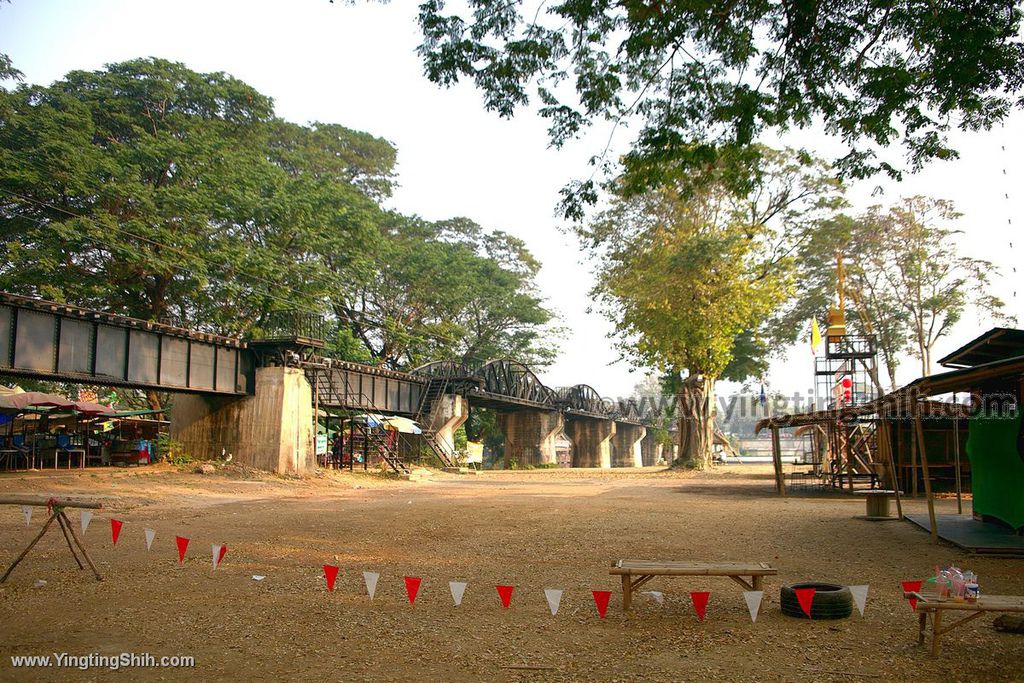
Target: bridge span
256	398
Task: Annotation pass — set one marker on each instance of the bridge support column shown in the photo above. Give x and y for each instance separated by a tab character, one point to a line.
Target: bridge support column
591	441
271	430
530	436
626	449
651	450
447	414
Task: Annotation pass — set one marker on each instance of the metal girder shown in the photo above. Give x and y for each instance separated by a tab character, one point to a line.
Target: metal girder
50	341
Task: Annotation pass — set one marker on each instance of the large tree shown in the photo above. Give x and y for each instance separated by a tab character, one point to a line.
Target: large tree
691	278
151	190
918	266
707	78
446	290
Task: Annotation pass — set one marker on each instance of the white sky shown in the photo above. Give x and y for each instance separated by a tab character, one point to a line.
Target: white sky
357	66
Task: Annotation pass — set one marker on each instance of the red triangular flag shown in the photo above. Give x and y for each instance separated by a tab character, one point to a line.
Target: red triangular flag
700	602
115	529
223	552
601	601
412	587
912	587
505	593
182	547
330	573
805	596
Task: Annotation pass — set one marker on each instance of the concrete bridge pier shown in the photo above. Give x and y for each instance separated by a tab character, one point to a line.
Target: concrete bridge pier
591	441
447	414
650	450
530	436
271	430
626	445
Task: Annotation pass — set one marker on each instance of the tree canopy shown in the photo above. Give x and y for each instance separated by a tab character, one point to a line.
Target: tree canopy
148	189
708	78
692	280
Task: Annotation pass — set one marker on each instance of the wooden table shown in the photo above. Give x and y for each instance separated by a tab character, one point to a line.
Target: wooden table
636	573
929	603
878	504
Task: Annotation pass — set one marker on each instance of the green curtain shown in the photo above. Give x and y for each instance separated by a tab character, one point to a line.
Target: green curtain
997	469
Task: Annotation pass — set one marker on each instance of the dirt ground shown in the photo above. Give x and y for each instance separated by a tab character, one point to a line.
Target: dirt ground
534	529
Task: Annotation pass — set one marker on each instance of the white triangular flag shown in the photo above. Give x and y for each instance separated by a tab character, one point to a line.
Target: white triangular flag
554	597
26	510
371	582
657	596
860	597
150	535
86	518
458	589
753	599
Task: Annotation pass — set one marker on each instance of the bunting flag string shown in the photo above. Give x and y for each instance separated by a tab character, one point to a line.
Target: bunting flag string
370	579
218	551
860	597
458	589
330	573
753	600
412	587
182	547
505	594
554	598
85	519
912	587
601	599
700	602
657	596
805	596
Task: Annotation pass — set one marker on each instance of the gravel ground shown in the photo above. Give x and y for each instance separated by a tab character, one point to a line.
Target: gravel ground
534	530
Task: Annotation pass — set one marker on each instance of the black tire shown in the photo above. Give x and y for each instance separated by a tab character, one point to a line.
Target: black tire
830	601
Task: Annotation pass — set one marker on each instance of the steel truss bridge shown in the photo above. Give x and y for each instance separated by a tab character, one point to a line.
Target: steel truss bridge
57	342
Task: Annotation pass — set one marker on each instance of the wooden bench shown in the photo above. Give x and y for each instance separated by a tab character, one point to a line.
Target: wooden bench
636	573
929	603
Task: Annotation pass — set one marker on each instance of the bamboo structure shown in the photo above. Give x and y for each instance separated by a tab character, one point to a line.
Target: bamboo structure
56	508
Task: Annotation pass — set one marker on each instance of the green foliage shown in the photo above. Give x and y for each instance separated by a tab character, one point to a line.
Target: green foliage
691	280
151	190
708	78
920	276
157	191
904	282
447	290
172	451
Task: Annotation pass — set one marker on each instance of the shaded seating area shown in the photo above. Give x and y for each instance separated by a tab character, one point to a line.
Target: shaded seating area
50	432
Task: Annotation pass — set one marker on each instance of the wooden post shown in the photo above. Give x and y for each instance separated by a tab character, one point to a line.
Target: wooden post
924	470
956	455
780	483
56	508
627	592
913	465
887	441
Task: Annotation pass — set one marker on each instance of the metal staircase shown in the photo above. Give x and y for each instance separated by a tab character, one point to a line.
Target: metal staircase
435	388
358	439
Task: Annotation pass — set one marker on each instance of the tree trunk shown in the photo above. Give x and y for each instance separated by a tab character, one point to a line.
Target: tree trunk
696	425
153	399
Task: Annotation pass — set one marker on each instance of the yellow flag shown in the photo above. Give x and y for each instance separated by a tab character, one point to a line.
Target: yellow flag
815	336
